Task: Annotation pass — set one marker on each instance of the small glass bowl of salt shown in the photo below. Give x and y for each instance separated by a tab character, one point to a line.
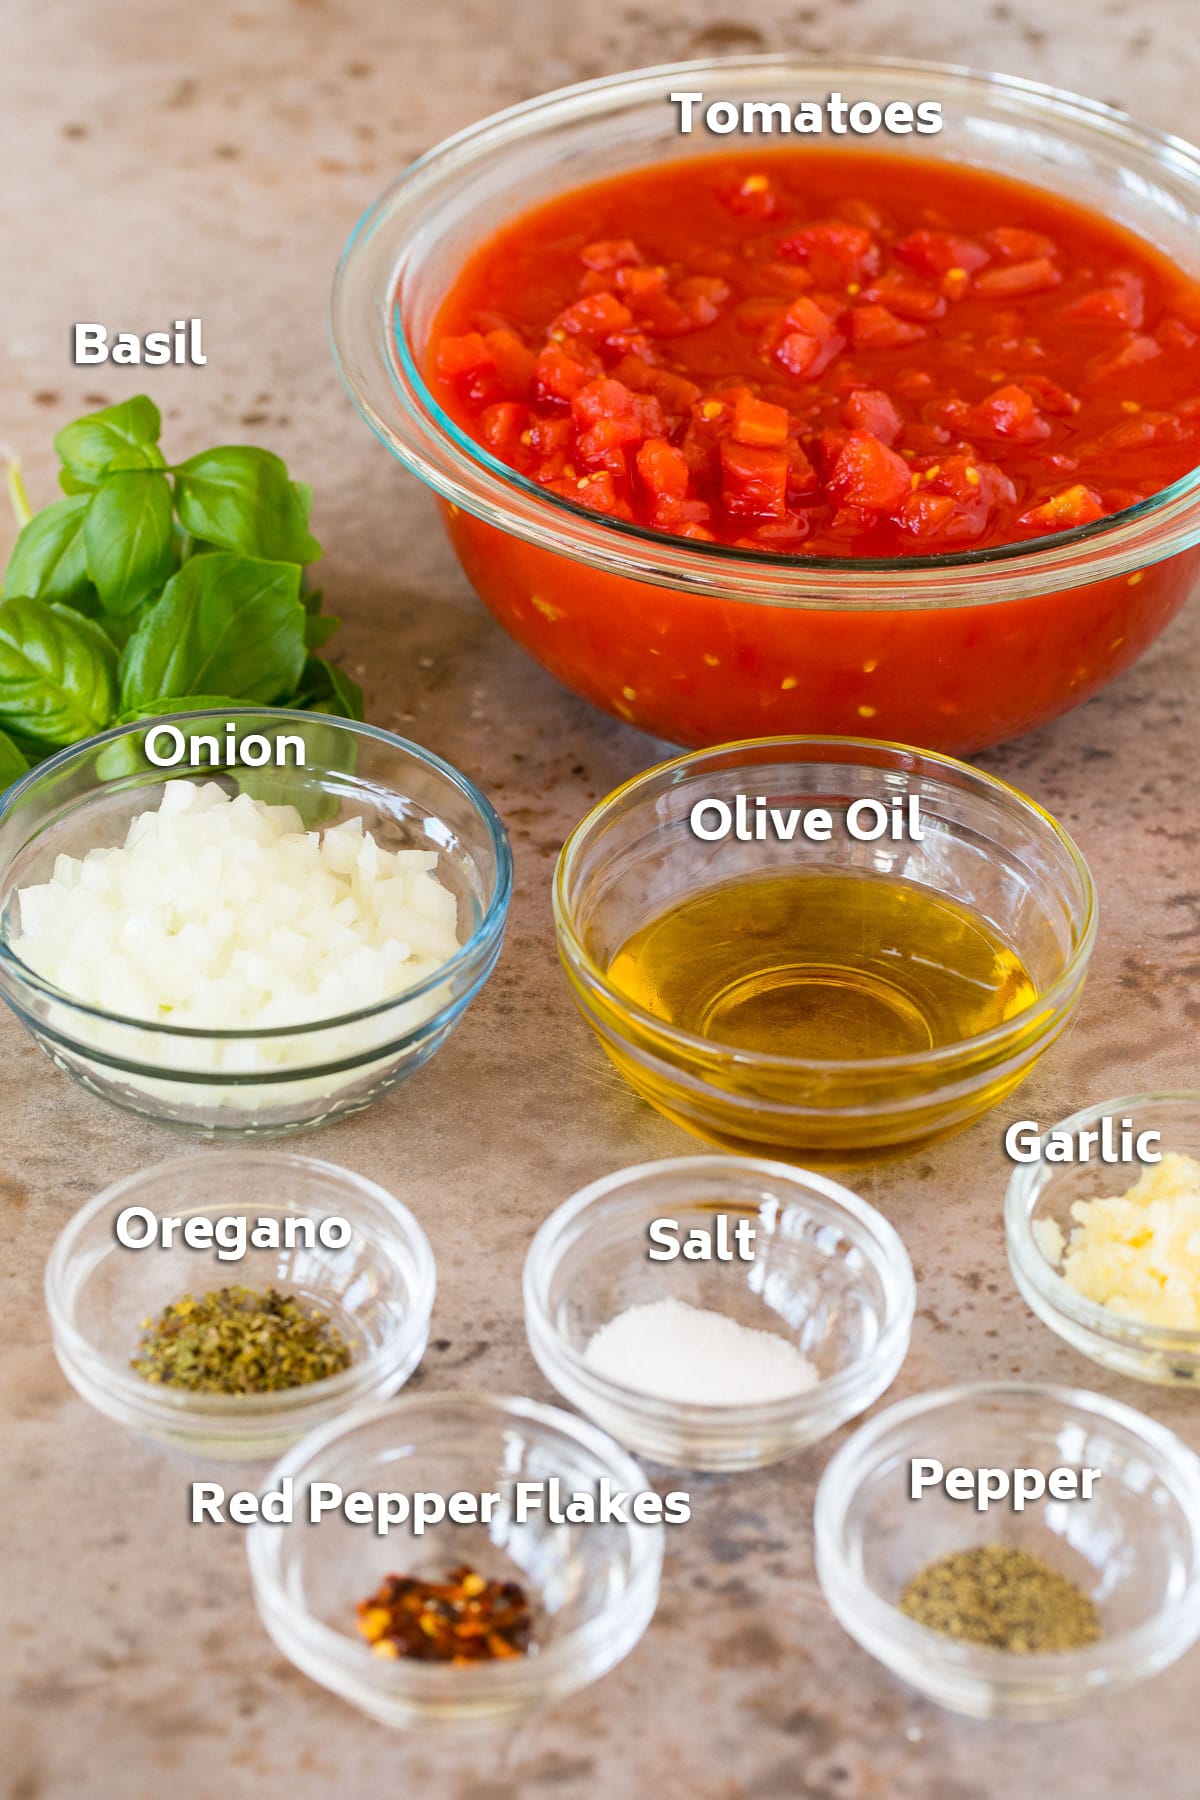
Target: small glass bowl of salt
718	1312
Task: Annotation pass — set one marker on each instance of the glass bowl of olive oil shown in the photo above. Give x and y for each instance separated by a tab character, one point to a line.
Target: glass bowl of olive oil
826	949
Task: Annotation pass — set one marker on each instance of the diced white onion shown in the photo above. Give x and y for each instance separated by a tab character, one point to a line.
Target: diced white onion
223	913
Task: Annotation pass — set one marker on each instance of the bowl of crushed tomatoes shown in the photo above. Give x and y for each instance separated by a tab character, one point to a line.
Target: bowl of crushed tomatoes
758	432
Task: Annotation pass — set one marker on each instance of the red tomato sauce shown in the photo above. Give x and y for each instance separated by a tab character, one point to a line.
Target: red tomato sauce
826	353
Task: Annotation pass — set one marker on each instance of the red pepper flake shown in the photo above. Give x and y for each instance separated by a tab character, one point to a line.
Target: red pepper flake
464	1619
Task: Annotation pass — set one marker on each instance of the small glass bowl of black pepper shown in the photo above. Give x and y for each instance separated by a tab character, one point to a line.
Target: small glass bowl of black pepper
590	1588
1112	1580
228	1355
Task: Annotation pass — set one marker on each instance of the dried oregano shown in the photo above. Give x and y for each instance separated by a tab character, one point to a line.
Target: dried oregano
235	1340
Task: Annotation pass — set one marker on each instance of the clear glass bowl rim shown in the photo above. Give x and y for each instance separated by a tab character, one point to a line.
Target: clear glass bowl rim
1025	1186
424	1680
175	1404
463	472
889	1260
475	948
1056	995
1176	1624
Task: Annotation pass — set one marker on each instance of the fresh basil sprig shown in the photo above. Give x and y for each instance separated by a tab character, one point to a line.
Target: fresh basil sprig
154	585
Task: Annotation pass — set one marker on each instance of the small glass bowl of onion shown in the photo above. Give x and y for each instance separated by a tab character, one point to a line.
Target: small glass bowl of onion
103	1293
228	966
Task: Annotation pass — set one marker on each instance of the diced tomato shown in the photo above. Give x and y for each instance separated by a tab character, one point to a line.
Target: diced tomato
924	438
1008	412
503	424
802	477
801	354
868	475
1121	301
1050	397
513	362
610	253
971	481
903	295
753	480
938	252
635	284
549	435
925	514
675	393
752	198
595	316
603	399
463	355
1133	350
869	409
804	339
702	297
1064	511
601	491
875	328
597	281
1143	428
834	252
663	470
659	312
1014	243
857	211
758	422
560	374
1173	334
1019	278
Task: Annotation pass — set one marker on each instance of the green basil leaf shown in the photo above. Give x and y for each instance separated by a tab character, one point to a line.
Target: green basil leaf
89	445
129	535
163	709
58	673
241	498
127	756
318	629
76	484
229	624
49	561
12	762
326	688
312	598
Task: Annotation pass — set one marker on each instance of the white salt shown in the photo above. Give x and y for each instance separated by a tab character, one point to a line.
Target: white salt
680	1352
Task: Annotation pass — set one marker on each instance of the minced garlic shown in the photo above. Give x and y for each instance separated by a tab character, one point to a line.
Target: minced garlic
1137	1253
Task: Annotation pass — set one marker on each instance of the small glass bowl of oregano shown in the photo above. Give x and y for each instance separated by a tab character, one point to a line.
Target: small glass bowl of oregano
228	1303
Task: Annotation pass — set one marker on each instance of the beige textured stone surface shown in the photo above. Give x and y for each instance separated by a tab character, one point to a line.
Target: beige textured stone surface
164	159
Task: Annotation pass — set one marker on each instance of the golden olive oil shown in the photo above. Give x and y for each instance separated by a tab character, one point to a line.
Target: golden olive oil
830	965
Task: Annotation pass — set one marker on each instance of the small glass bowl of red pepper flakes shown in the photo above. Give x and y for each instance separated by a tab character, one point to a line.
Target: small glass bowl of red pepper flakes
564	1602
848	443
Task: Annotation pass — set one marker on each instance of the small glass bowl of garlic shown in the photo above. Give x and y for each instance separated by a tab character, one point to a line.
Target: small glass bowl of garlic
1106	1248
241	948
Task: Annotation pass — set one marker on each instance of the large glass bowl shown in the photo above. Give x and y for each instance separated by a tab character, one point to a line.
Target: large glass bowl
377	1291
1134	1547
986	848
701	643
1043	1192
592	1588
245	1082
